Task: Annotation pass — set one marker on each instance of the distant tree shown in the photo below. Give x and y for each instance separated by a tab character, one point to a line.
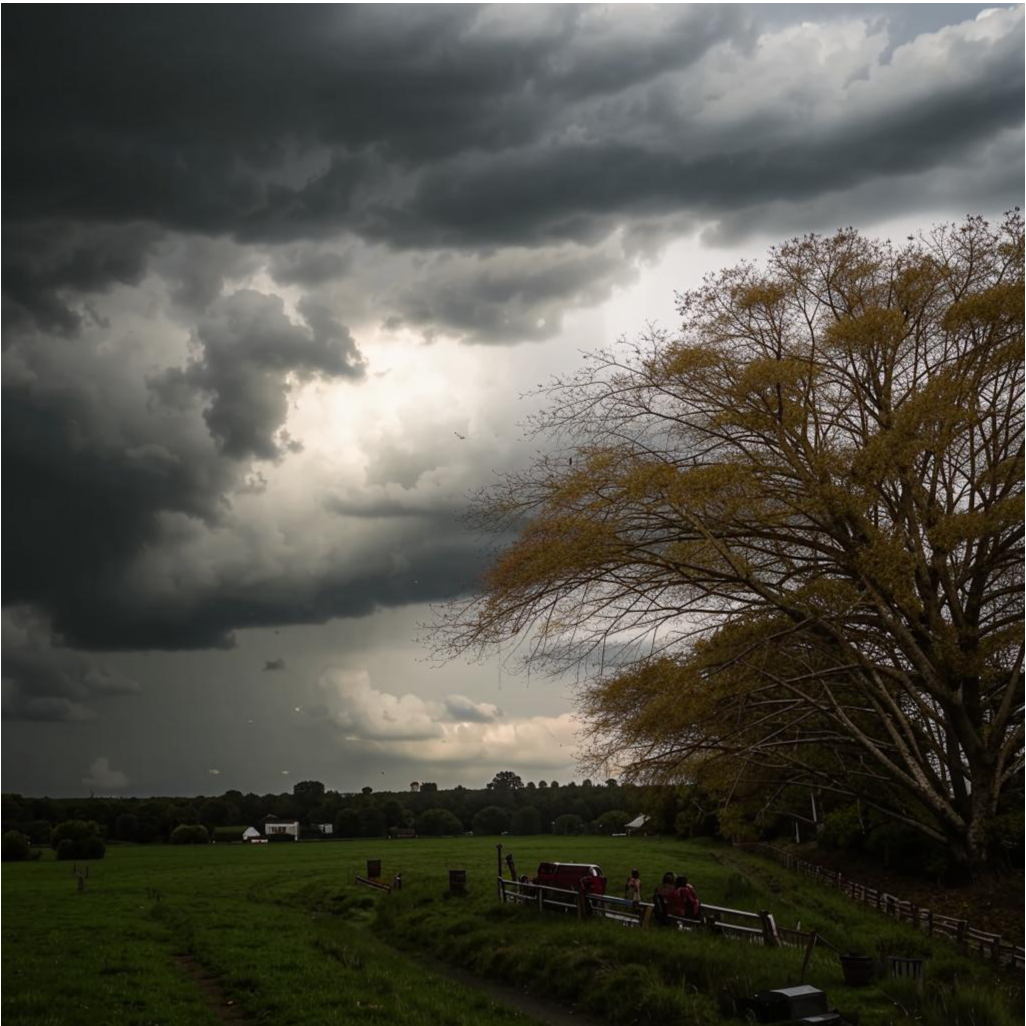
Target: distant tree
490	820
216	812
612	782
569	824
15	847
126	827
506	780
438	823
347	823
542	784
428	788
586	782
526	821
372	822
36	830
190	833
78	839
366	790
396	814
553	783
530	786
612	822
308	792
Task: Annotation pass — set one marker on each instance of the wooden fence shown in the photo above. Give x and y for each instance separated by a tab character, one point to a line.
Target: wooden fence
968	938
752	927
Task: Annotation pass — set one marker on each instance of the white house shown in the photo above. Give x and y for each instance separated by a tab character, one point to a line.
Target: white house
636	825
327	829
276	826
251	834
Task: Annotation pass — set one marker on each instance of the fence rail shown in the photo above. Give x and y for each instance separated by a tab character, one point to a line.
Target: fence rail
752	927
968	939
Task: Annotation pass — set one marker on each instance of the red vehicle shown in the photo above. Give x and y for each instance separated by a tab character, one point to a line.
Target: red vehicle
571	876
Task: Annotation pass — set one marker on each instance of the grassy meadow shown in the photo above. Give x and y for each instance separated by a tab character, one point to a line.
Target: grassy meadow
282	933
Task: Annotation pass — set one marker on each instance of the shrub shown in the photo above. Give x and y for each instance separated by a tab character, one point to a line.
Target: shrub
842	829
347	823
78	839
126	827
526	821
613	822
17	848
490	820
190	833
36	830
438	822
569	824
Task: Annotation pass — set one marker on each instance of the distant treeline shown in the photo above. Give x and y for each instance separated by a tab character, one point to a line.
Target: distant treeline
507	804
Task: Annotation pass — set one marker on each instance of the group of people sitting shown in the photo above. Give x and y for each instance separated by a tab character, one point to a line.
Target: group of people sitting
673	897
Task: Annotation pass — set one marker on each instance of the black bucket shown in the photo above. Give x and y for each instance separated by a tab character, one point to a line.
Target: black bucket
857	970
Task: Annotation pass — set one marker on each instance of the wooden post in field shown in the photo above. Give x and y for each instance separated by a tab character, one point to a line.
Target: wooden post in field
929	924
498	860
807	960
960	936
82	876
995	949
770	937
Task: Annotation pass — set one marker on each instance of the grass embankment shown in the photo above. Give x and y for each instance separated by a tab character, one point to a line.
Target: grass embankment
660	976
257	919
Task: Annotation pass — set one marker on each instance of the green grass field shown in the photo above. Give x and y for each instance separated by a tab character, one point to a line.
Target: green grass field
290	939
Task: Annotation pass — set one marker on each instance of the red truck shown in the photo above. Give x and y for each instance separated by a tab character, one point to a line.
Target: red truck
571	876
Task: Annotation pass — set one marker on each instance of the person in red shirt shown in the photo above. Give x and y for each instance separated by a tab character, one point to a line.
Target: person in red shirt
685	901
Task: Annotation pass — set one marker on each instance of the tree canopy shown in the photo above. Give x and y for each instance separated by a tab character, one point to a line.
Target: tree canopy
783	545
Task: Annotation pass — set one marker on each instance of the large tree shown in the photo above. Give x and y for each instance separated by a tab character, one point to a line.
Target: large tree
787	539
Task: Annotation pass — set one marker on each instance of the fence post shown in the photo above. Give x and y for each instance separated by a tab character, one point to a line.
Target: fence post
770	937
541	900
809	949
960	935
996	949
498	859
929	924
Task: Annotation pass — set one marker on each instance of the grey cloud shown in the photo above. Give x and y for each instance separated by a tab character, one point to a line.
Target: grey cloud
249	350
44	682
104	777
466	710
512	296
48	267
307	265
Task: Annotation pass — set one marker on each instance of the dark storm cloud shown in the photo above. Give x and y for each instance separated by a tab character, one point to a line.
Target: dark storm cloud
193	117
158	154
250	349
401	568
513	296
45	262
434	126
41	682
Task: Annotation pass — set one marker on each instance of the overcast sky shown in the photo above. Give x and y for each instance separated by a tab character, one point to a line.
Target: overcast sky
275	279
